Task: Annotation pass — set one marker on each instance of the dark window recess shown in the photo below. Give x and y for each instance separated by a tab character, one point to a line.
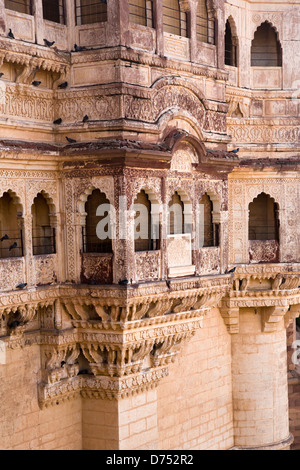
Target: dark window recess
90	240
174	20
205	26
21	6
141	12
266	49
11	244
230	47
263	218
90	11
54	10
44	244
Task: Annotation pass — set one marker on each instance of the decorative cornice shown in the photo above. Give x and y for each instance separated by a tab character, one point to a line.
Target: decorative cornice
129	335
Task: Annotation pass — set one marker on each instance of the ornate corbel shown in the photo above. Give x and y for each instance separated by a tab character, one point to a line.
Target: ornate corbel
60	362
231	318
271	317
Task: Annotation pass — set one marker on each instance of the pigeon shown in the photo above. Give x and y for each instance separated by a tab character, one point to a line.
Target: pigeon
57	121
234	151
10	34
36	83
78	48
71	141
63	85
13	246
5	237
231	270
85	119
21	286
49	43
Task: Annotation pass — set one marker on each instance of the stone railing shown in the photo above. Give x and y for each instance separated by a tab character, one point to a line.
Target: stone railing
179	252
96	268
148	265
264	251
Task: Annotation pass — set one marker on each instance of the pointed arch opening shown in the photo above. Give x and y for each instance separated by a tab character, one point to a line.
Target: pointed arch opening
179	214
147	223
43	229
97	231
266	50
205	23
11	226
264	229
231	45
209	230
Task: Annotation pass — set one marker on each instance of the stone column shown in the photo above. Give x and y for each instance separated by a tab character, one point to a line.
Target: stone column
259	375
158	21
39	21
70	22
220	38
193	31
118	22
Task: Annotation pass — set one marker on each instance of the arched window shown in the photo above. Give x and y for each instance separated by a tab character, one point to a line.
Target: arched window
91	11
179	215
174	20
266	49
141	12
22	6
263	218
11	233
54	10
205	25
209	231
146	225
230	46
96	234
43	234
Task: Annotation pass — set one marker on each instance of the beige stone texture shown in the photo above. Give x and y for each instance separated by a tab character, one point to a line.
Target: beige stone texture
179	346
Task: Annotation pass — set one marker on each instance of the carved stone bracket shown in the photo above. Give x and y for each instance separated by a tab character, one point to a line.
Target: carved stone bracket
273	290
120	344
271	316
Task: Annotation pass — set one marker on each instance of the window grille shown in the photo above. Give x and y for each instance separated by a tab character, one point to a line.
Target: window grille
230	47
11	244
90	11
141	12
174	20
92	244
54	10
266	49
44	244
21	6
205	26
90	240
